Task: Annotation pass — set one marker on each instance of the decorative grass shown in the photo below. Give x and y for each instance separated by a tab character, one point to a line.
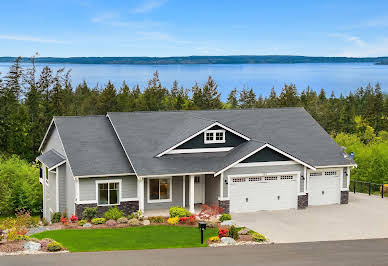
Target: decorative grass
143	237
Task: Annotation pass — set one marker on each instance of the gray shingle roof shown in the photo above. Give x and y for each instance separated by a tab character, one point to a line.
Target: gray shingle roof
51	158
92	146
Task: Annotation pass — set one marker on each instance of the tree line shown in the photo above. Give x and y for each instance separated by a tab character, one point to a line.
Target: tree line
29	100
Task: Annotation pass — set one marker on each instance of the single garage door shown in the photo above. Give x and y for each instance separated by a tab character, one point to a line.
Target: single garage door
324	188
257	193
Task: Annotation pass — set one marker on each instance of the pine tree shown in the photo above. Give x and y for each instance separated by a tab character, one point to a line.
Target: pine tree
107	101
155	96
232	102
289	96
207	97
247	99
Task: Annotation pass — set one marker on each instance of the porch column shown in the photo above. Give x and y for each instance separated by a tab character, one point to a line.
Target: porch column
191	194
221	186
140	193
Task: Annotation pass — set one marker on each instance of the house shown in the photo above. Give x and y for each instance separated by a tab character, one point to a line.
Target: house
242	160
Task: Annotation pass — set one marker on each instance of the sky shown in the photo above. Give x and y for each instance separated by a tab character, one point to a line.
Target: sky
182	28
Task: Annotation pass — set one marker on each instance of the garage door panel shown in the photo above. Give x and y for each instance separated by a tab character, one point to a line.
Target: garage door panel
262	193
324	188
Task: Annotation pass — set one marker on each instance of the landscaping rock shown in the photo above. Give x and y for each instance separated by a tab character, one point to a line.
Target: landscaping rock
243	231
228	223
32	246
228	241
87	225
146	222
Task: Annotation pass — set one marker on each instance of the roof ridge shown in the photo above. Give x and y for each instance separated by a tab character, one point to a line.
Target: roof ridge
77	116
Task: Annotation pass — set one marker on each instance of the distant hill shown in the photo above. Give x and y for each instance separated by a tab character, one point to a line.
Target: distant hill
235	59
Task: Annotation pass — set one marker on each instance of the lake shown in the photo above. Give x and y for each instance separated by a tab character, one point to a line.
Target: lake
339	77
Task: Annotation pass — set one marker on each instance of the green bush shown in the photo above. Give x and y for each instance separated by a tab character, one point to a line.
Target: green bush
122	220
56	217
233	232
134	222
82	222
113	213
98	221
156	219
89	213
139	214
258	237
225	217
54	246
178	212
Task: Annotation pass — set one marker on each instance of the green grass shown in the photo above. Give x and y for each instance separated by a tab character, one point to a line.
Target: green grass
145	237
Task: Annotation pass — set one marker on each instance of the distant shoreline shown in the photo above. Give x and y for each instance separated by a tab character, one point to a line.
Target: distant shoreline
194	60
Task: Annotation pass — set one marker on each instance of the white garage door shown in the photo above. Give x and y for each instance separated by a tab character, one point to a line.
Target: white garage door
257	193
324	188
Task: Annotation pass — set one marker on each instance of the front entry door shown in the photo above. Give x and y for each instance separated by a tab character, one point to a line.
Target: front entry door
199	189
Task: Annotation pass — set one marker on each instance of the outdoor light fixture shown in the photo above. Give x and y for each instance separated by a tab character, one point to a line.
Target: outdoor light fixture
202	227
226	181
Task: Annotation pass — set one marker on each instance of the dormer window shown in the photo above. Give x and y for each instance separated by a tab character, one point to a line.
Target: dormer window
214	136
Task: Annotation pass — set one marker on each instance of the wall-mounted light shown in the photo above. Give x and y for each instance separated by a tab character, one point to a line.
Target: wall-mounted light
226	181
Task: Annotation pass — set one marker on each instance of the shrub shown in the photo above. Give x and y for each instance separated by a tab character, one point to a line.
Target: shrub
223	232
258	237
192	219
156	219
134	222
12	234
45	241
139	214
45	222
210	211
214	239
212	223
64	220
22	237
233	233
98	221
73	218
54	246
225	217
113	213
122	220
56	217
178	212
173	221
89	213
82	222
111	223
183	220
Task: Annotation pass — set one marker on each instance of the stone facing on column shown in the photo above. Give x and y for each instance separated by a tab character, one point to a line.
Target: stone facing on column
344	197
303	201
127	207
225	205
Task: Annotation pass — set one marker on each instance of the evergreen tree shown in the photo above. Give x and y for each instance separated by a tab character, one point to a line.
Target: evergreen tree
289	96
232	102
247	99
155	96
107	101
207	97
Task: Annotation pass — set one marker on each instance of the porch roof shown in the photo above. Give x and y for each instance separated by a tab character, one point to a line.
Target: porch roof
51	158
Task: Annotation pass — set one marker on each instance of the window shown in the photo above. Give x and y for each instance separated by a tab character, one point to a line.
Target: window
159	189
108	193
197	179
214	136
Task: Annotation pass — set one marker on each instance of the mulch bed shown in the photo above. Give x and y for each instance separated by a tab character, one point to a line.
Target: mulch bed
12	246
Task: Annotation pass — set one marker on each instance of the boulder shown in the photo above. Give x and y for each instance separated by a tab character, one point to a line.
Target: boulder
32	246
146	222
243	231
228	241
87	225
228	223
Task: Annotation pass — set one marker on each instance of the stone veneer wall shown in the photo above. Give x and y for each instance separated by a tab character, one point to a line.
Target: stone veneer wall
225	205
127	207
303	201
344	197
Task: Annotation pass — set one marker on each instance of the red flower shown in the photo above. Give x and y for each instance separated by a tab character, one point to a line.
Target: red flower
192	219
182	220
73	218
64	220
223	232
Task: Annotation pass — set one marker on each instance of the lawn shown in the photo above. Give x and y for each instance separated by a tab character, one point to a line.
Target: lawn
144	237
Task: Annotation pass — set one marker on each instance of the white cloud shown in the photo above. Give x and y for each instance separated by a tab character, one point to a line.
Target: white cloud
108	16
350	38
147	6
155	36
30	39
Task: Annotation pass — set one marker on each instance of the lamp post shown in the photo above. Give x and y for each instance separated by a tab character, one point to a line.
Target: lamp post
202	227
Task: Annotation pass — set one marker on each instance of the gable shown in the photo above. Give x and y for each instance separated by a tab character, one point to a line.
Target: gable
266	155
231	140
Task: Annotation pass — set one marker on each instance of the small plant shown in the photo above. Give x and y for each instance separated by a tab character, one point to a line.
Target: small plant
214	239
134	222
54	246
258	237
156	219
225	217
122	220
98	221
173	221
111	223
233	233
223	232
139	214
64	220
192	219
1	234
178	212
210	211
56	217
22	237
82	222
113	213
74	219
212	223
12	234
183	220
45	222
45	241
89	213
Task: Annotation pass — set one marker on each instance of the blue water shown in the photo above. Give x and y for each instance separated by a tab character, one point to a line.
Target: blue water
340	78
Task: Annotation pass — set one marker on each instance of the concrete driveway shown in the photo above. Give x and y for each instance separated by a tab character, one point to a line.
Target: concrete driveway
364	217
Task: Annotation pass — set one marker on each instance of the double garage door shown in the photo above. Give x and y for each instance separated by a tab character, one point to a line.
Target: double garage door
257	193
324	187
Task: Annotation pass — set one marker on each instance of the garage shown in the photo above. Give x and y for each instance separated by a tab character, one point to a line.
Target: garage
324	187
259	192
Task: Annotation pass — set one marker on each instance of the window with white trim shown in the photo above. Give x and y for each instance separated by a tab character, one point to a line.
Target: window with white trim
214	136
108	193
159	189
